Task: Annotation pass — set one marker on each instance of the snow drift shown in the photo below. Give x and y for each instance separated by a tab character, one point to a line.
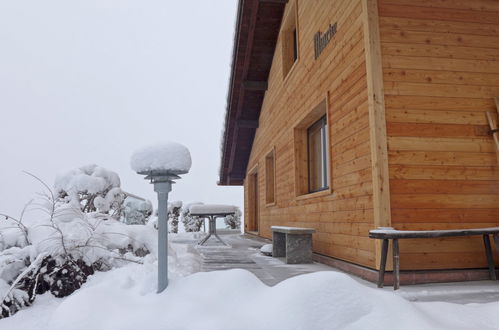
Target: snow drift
125	298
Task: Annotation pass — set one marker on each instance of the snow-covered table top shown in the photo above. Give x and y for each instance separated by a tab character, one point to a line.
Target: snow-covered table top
213	209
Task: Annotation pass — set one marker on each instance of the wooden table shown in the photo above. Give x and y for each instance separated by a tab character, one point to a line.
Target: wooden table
387	234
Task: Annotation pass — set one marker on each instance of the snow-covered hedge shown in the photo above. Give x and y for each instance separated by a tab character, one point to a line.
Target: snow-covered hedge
191	223
136	212
174	210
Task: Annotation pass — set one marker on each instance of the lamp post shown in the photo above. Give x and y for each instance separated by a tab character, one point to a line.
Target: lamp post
163	181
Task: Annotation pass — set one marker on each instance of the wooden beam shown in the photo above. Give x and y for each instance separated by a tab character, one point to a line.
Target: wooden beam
255	85
247	55
244	123
377	121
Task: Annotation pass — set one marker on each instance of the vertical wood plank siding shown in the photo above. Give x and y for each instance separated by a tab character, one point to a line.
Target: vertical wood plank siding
344	216
441	74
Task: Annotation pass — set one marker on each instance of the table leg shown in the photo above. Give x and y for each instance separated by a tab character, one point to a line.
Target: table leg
490	257
204	239
221	241
381	273
210	231
396	264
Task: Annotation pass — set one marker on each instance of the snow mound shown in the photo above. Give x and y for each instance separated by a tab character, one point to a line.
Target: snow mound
211	209
170	156
125	298
266	249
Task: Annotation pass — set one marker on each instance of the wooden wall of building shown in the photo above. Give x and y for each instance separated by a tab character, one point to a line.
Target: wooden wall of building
344	215
441	73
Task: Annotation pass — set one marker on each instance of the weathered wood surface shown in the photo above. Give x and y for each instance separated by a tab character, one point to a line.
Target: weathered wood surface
343	215
441	74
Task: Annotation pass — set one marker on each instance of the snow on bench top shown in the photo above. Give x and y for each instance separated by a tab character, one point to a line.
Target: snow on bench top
388	232
212	209
169	156
292	230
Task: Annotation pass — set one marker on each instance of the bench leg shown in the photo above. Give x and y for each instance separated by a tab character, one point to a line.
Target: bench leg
490	257
381	273
496	241
396	264
299	249
278	245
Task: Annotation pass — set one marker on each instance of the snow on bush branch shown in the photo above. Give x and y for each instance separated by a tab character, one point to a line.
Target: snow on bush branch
91	188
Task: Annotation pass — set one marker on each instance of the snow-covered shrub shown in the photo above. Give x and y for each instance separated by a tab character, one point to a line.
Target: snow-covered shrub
59	249
191	223
91	188
233	221
136	212
174	210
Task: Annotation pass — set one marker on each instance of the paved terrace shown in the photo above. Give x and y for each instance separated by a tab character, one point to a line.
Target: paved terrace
244	252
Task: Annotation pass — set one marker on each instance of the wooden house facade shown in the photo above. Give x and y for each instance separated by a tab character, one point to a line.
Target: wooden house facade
348	115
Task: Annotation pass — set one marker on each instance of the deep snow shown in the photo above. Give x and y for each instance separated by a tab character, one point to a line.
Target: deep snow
125	298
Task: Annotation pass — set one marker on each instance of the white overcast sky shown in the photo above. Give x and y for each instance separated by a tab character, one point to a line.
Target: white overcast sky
89	81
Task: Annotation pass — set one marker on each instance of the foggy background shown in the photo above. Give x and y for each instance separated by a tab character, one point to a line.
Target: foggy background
90	81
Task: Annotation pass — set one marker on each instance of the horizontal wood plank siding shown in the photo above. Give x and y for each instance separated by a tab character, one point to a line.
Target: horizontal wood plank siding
441	73
343	217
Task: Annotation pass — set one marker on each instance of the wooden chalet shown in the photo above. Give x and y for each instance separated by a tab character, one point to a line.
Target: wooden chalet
348	115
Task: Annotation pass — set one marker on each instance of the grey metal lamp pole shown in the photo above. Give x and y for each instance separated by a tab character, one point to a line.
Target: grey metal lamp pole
162	181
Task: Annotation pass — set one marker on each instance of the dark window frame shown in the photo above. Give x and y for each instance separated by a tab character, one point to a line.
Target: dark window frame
295	45
322	125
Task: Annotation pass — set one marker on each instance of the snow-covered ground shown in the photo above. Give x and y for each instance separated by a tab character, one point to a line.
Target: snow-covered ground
125	298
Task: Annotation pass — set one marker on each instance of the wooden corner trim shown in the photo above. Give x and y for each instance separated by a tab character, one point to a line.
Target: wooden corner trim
377	121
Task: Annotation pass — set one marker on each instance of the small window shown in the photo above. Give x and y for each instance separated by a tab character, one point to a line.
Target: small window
317	155
270	178
295	45
289	40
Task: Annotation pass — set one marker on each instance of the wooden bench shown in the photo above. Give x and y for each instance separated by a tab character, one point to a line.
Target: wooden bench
387	234
292	243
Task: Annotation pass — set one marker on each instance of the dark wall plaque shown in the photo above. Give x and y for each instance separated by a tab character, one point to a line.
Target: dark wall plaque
321	40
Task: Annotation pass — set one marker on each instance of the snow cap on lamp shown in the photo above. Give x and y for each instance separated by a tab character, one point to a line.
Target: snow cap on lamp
169	157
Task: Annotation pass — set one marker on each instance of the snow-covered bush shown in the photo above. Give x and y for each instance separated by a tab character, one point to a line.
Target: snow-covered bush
233	221
191	223
136	212
91	188
61	247
174	210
